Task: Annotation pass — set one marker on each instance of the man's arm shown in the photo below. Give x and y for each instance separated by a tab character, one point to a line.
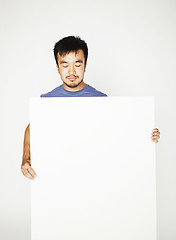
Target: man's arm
26	168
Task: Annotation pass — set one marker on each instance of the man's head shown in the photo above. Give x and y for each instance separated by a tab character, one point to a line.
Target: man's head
71	59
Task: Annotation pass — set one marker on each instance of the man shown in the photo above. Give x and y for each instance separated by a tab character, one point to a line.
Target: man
71	59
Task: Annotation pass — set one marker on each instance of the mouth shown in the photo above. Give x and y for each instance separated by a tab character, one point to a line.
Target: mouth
72	78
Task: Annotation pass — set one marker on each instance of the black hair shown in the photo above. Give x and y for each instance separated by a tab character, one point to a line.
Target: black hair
70	44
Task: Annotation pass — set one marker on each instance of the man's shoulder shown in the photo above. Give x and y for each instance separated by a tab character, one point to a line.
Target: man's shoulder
53	93
94	92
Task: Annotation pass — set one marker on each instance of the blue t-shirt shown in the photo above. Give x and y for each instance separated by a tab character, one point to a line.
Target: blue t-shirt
87	91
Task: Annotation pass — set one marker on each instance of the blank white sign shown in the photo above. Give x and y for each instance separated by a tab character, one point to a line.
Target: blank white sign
95	165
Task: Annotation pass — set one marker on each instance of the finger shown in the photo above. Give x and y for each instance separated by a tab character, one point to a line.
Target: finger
32	172
29	169
27	174
156	136
30	175
155	133
155	130
156	141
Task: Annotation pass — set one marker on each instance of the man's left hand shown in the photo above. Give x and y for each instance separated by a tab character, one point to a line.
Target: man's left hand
155	135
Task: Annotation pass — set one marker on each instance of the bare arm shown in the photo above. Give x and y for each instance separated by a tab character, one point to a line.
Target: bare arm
26	168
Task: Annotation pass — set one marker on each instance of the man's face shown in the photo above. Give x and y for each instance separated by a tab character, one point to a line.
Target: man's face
71	68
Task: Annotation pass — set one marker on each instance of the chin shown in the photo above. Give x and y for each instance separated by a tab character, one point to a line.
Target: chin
73	84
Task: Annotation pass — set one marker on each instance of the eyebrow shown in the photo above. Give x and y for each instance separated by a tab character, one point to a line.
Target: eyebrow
79	61
63	62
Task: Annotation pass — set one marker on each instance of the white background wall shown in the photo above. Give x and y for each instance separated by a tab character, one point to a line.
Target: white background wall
132	52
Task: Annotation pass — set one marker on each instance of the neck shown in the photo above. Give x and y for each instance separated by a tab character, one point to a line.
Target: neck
74	89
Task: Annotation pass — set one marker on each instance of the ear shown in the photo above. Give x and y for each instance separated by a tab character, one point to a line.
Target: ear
85	67
57	68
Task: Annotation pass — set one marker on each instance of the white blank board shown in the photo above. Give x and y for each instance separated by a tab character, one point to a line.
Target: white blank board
95	165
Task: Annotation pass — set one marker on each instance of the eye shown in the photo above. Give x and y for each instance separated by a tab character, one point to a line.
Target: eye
65	66
78	65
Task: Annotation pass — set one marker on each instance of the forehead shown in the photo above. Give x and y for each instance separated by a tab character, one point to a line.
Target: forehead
71	56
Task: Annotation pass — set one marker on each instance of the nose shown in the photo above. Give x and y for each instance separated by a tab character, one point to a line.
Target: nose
71	69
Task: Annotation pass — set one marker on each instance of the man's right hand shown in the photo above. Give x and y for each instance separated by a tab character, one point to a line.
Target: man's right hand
28	171
26	168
